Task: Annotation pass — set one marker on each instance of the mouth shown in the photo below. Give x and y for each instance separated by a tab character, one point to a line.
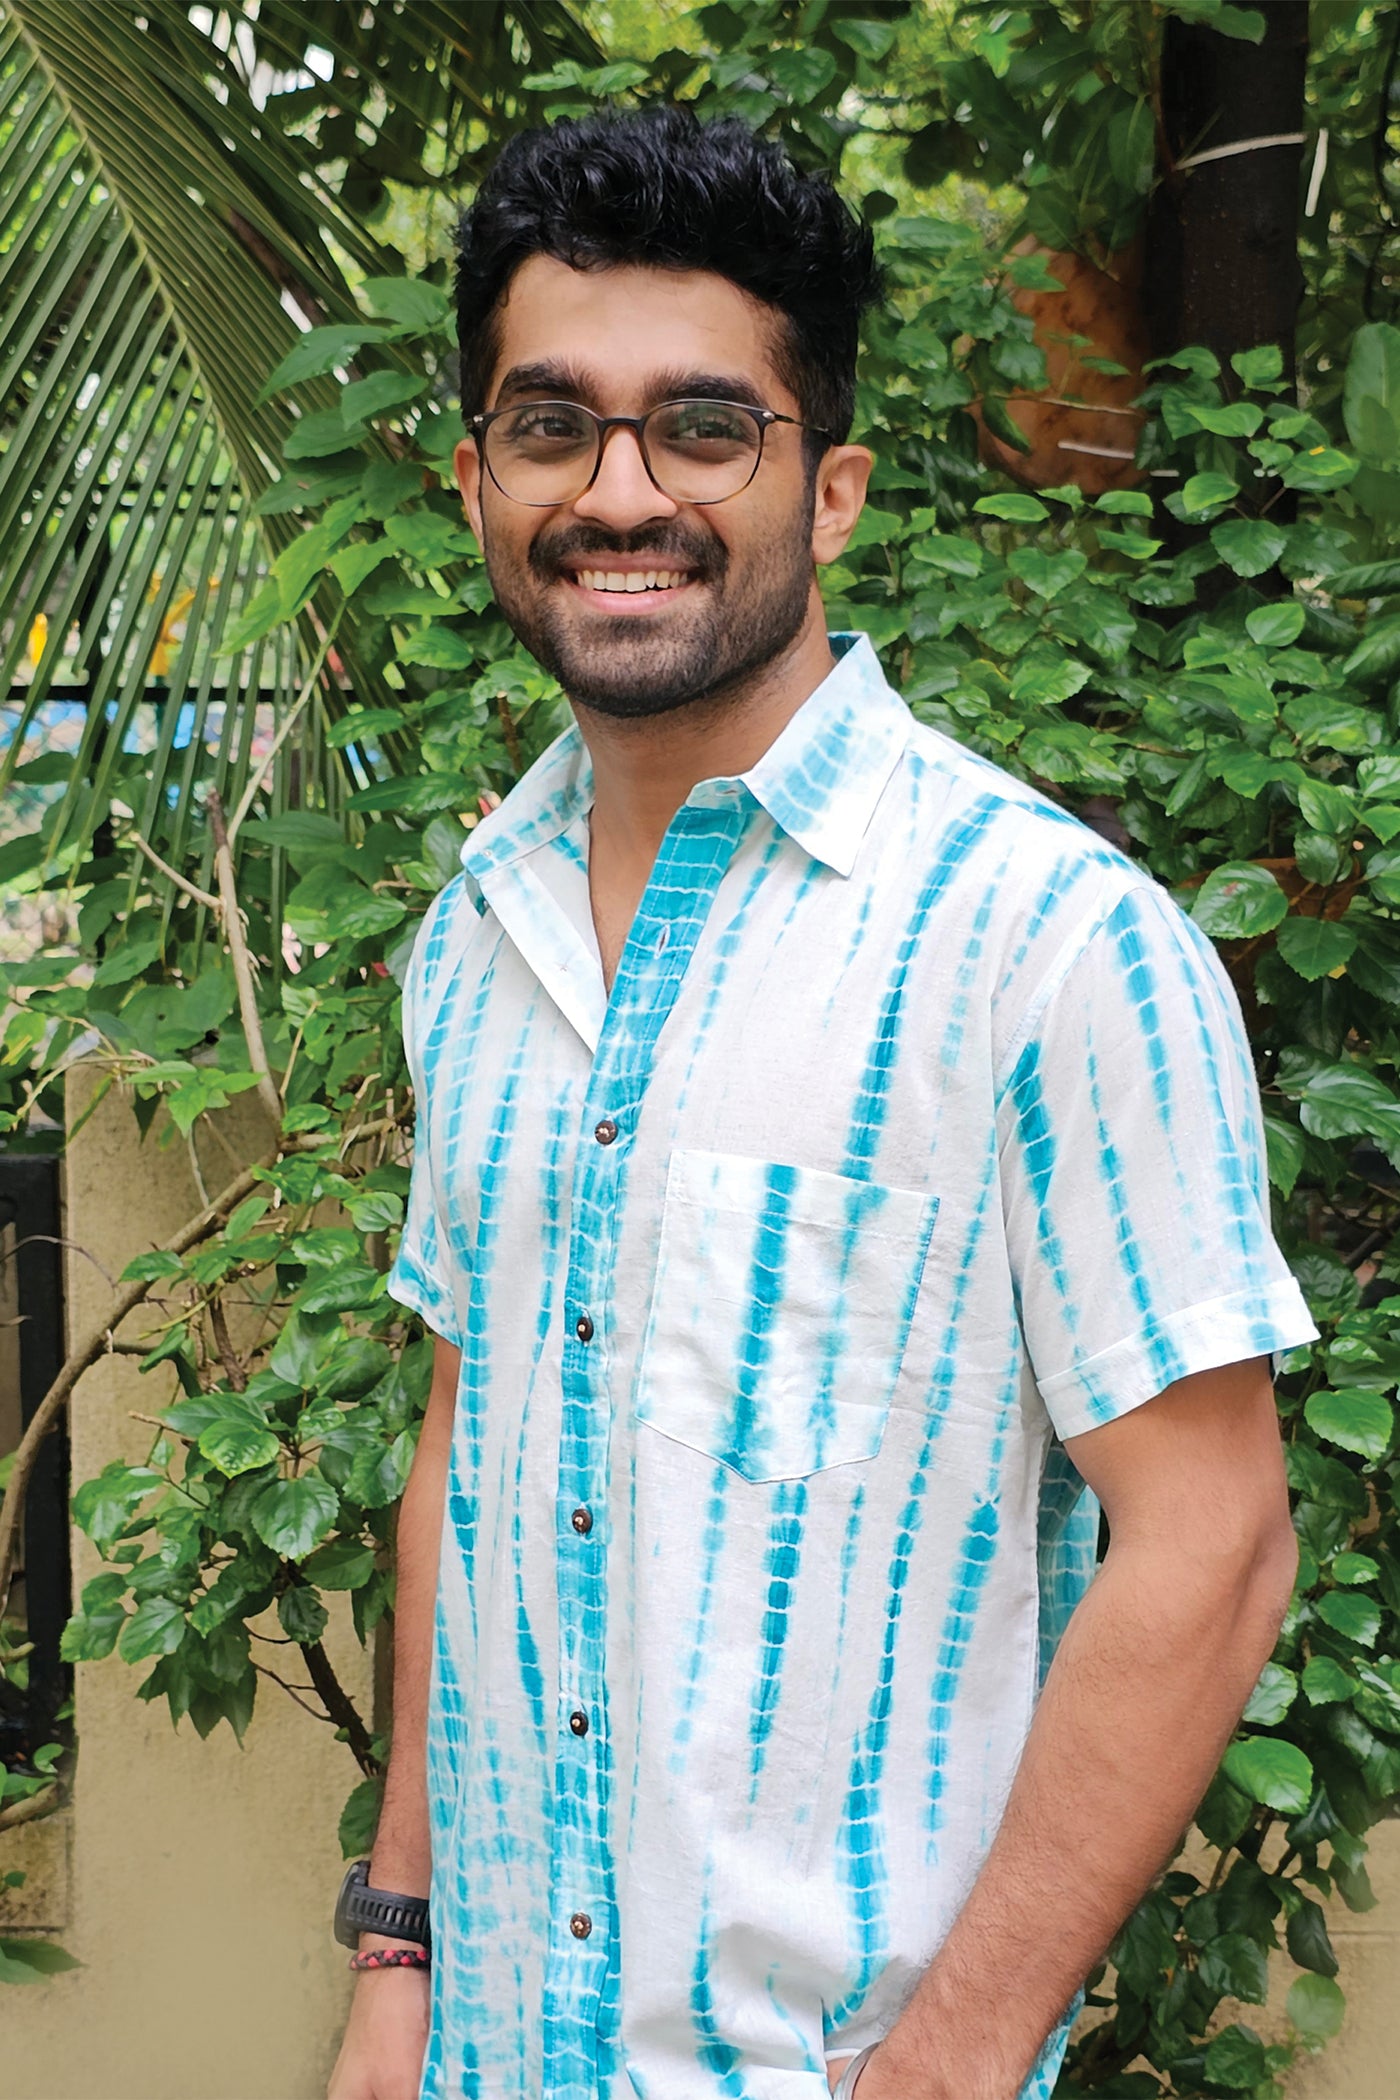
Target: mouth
631	590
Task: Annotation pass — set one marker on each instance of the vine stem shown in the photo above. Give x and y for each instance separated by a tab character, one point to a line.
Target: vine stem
231	918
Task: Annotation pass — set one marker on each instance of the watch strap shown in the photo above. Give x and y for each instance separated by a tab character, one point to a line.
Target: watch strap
361	1908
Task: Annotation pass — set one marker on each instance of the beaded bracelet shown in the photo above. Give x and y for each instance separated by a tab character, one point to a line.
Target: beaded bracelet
392	1958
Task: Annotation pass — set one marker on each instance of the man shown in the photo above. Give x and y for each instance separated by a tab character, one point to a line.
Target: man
830	1157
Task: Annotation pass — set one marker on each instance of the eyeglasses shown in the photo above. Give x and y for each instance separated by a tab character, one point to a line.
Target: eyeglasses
548	452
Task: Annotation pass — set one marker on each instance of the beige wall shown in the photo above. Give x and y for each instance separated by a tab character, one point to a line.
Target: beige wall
195	1880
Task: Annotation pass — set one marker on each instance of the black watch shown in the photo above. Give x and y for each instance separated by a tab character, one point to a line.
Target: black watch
359	1908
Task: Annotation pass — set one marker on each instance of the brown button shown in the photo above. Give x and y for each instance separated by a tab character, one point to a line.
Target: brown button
605	1131
583	1328
580	1924
578	1721
582	1521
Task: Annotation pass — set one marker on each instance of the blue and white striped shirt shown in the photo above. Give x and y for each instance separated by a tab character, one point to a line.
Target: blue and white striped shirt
919	1133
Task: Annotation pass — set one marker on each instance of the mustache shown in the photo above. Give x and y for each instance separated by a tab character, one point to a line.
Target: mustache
685	547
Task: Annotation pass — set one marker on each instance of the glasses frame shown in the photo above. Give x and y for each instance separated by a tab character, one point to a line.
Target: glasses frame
765	418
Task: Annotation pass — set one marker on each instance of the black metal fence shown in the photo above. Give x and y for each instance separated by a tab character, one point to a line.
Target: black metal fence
30	1246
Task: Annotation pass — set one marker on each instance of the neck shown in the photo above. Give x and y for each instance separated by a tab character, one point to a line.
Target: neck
643	768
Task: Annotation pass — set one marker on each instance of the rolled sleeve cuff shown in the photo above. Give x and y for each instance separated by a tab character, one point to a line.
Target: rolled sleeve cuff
410	1286
1257	1322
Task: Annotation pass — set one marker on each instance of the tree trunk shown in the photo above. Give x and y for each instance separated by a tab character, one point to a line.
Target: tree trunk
1222	252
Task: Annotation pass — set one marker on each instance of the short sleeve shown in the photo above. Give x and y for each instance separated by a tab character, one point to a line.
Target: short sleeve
1133	1172
422	1275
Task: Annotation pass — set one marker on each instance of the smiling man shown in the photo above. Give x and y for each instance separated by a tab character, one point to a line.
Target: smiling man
831	1156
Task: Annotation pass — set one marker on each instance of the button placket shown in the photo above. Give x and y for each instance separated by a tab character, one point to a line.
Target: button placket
687	873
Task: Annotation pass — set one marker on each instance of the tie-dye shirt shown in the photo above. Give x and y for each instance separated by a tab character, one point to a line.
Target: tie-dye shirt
918	1133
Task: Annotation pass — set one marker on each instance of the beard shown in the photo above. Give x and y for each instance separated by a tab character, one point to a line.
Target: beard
724	630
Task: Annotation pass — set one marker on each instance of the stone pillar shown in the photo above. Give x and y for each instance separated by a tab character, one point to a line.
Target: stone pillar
193	1879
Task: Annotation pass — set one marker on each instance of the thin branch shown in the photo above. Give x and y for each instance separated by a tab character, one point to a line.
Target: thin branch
232	921
293	1691
340	1707
172	875
223	1342
31	1808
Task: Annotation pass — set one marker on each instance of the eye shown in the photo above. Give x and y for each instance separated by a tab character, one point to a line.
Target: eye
706	423
546	422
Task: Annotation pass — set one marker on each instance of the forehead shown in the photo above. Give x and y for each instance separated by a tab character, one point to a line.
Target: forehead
622	325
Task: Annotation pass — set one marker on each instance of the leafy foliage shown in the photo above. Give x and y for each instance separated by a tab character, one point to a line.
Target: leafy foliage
1210	681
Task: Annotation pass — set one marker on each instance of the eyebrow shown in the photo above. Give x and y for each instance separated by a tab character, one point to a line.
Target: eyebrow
565	382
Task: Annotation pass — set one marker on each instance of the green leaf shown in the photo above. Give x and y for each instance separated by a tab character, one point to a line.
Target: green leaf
1287	1150
1277	1773
1315	947
1239	899
1377	655
1316	2006
302	1615
320	351
1354	1418
382	391
1275	626
149	1268
1047	574
1350	1614
1232	419
1355	1568
1371	393
351	565
1017	510
1248	545
1308	1942
342	1564
870	40
1124	503
1260	367
30	1961
237	1447
1235	2059
1363	579
291	1515
413	305
1325	1681
359	1819
1272	1696
1325	807
156	1627
802	75
1236	1966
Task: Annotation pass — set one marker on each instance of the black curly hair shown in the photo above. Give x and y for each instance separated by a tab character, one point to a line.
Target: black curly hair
655	186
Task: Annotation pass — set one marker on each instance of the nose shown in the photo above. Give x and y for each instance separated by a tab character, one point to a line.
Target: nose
623	494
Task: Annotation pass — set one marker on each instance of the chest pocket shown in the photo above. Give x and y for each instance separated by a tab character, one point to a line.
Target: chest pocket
780	1312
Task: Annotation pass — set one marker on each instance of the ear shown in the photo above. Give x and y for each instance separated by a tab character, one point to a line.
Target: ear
466	464
842	479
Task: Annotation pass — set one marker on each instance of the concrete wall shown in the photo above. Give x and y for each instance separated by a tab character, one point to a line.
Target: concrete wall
195	1880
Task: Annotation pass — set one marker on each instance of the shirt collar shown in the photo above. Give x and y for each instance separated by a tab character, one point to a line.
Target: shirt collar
819	780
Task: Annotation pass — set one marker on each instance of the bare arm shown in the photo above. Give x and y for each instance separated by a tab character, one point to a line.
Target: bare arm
1148	1684
381	2057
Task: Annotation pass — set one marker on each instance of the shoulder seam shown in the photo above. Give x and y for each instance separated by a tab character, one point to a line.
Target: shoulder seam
1072	952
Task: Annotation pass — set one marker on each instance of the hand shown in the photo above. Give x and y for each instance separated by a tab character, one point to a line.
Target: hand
381	2057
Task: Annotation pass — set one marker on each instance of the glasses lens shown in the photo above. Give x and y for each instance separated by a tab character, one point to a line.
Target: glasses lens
703	451
543	452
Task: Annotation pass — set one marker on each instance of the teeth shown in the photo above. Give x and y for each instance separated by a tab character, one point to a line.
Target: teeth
630	580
